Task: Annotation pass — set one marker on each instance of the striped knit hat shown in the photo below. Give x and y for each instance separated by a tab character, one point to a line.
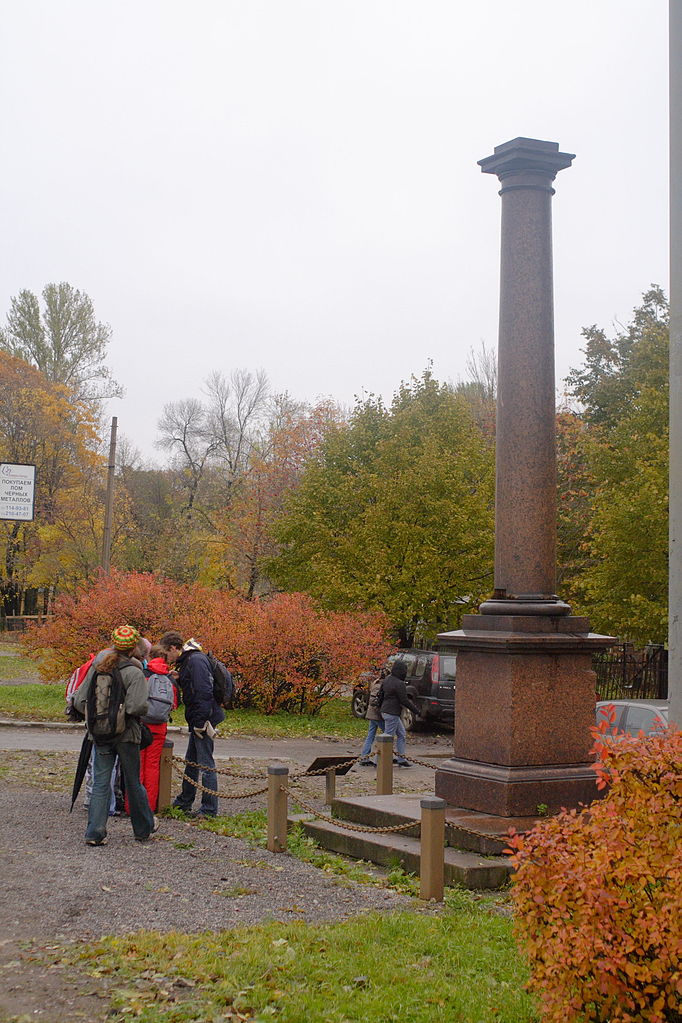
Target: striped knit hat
124	637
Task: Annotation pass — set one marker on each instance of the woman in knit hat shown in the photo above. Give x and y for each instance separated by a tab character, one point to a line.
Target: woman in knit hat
125	745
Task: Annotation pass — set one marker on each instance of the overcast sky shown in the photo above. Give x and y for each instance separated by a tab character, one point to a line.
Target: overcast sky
292	184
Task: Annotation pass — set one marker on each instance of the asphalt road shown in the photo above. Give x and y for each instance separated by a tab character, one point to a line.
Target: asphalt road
302	751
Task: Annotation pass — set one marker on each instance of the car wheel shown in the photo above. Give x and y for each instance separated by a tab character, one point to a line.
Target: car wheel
359	703
411	722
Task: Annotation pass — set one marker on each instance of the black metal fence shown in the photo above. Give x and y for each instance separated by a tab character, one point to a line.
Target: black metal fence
624	673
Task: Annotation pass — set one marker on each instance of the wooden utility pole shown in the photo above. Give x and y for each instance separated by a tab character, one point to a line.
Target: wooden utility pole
109	507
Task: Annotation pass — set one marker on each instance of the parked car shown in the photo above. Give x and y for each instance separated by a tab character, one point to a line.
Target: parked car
430	684
634	716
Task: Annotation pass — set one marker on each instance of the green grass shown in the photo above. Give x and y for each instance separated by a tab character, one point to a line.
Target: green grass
45	702
13	665
460	966
42	701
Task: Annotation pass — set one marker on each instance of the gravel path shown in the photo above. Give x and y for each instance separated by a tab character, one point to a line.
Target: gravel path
57	891
183	879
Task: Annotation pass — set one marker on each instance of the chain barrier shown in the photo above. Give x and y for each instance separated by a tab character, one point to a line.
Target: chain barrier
218	770
422	763
340	823
213	792
306	806
323	770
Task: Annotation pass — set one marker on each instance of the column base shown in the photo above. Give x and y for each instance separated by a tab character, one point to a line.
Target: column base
515	791
525	699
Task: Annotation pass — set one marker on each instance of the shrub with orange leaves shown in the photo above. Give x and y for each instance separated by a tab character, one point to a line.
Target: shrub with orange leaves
285	654
291	656
598	892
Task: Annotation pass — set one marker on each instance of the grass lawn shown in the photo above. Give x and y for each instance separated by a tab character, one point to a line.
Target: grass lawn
459	966
14	665
44	701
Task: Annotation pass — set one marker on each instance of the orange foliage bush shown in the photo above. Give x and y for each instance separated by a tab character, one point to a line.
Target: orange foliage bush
283	651
598	893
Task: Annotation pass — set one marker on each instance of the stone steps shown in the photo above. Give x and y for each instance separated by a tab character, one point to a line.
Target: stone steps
469	868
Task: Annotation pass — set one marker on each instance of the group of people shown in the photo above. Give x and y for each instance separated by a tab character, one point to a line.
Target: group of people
135	660
387	697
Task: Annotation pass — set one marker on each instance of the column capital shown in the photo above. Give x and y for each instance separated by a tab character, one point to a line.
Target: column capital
524	155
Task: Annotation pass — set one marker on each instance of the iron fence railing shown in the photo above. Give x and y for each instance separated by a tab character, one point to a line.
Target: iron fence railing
624	673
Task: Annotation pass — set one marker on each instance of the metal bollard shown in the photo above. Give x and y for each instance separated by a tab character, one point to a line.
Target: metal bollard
165	775
277	808
385	765
329	785
431	864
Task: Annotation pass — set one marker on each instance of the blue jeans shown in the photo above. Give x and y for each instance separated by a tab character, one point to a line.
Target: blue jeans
89	779
141	816
374	726
394	726
199	751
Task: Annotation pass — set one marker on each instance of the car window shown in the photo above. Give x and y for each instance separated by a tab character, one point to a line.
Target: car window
420	666
604	712
642	719
447	667
408	660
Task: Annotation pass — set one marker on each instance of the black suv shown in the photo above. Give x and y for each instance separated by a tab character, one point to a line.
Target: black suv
430	684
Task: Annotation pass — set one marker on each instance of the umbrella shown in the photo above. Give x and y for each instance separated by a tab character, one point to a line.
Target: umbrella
81	768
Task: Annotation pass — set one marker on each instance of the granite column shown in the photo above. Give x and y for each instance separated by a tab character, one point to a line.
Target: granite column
525	691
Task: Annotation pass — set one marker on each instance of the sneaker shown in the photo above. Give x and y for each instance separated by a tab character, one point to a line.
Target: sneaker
367	762
96	841
155	825
403	763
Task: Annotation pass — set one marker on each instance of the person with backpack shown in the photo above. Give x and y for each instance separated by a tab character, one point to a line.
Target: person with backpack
113	698
162	700
203	712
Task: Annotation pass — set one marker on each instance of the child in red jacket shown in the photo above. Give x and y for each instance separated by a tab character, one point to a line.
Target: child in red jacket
150	758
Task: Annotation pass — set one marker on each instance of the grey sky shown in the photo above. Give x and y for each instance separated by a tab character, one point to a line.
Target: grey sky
292	184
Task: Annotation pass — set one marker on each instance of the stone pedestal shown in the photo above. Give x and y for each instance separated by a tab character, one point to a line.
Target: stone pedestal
524	704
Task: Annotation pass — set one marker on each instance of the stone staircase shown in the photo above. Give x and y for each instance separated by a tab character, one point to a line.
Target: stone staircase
473	841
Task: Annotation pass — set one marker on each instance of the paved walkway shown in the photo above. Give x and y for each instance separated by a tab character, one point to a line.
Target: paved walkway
44	737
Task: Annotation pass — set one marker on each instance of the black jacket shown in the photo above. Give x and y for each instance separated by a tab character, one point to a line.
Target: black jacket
196	681
395	696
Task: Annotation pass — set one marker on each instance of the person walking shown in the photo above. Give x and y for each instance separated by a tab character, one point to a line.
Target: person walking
394	699
203	714
374	719
124	744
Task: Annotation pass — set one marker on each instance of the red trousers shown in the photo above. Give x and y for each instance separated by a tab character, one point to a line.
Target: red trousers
150	765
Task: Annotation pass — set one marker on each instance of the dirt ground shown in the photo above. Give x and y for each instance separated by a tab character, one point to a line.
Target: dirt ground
57	892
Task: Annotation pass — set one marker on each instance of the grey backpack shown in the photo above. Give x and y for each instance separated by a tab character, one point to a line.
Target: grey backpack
160	700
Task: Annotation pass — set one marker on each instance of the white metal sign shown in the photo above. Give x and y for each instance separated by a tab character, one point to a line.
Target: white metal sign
17	491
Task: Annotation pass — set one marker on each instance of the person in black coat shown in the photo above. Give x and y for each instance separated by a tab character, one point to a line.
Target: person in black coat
395	698
203	713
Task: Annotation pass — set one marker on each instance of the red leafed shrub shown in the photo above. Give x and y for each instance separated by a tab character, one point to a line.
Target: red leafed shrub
294	657
283	652
598	893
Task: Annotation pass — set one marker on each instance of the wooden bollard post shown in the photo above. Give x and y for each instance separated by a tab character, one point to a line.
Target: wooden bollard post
329	785
165	775
277	808
431	866
385	765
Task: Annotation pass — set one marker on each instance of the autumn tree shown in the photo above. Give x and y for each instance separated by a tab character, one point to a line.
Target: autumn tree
395	513
63	339
41	424
245	542
623	392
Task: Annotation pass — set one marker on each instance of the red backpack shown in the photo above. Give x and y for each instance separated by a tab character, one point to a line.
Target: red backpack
77	677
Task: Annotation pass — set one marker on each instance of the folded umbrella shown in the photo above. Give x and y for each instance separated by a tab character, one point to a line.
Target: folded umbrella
81	768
